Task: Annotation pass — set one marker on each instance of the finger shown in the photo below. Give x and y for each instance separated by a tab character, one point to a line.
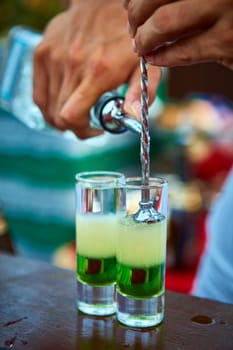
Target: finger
73	70
84	133
165	25
139	11
199	48
132	104
55	81
68	87
40	82
75	111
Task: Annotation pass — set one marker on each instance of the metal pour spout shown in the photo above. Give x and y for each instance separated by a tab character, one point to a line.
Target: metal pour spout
108	114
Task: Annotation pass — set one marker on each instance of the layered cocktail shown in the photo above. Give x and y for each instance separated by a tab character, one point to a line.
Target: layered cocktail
96	248
99	200
141	257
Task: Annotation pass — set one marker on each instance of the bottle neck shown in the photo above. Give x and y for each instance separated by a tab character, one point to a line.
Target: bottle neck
108	114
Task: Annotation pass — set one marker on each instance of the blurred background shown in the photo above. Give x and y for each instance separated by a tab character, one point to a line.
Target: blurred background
191	145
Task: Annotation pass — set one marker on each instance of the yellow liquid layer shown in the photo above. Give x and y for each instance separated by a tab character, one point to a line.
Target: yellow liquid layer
141	244
96	235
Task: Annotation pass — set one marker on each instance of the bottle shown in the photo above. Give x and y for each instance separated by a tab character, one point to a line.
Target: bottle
16	77
16	89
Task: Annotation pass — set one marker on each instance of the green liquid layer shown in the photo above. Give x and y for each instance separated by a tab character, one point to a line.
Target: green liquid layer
140	282
96	272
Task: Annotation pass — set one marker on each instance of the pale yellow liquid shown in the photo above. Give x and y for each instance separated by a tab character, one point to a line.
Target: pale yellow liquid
141	244
96	235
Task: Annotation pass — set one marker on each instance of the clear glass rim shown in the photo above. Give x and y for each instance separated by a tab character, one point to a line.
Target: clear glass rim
137	182
98	177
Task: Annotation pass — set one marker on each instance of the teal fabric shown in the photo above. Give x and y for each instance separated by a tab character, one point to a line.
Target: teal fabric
37	180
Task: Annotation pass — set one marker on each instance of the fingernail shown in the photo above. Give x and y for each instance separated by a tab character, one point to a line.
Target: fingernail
134	45
65	109
134	109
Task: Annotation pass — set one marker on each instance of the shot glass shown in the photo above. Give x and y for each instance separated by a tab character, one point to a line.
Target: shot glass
141	254
99	200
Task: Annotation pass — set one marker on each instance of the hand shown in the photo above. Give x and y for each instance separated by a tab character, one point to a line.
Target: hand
85	51
175	33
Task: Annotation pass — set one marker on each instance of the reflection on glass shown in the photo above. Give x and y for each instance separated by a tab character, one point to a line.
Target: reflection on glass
106	333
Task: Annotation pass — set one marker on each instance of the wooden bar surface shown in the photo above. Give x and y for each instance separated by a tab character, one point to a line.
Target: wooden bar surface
38	311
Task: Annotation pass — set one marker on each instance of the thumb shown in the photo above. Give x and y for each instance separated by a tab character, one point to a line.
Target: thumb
132	103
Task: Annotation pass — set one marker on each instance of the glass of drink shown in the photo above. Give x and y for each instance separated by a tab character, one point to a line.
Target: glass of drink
141	254
99	201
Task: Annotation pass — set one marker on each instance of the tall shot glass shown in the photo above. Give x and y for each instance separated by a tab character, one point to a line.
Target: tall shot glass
141	256
99	200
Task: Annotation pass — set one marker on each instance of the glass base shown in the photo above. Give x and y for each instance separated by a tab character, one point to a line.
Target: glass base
98	301
140	312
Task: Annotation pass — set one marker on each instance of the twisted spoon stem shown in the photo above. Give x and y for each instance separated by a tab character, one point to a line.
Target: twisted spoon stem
145	136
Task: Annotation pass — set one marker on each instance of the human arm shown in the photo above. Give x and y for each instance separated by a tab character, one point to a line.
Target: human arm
175	33
85	51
